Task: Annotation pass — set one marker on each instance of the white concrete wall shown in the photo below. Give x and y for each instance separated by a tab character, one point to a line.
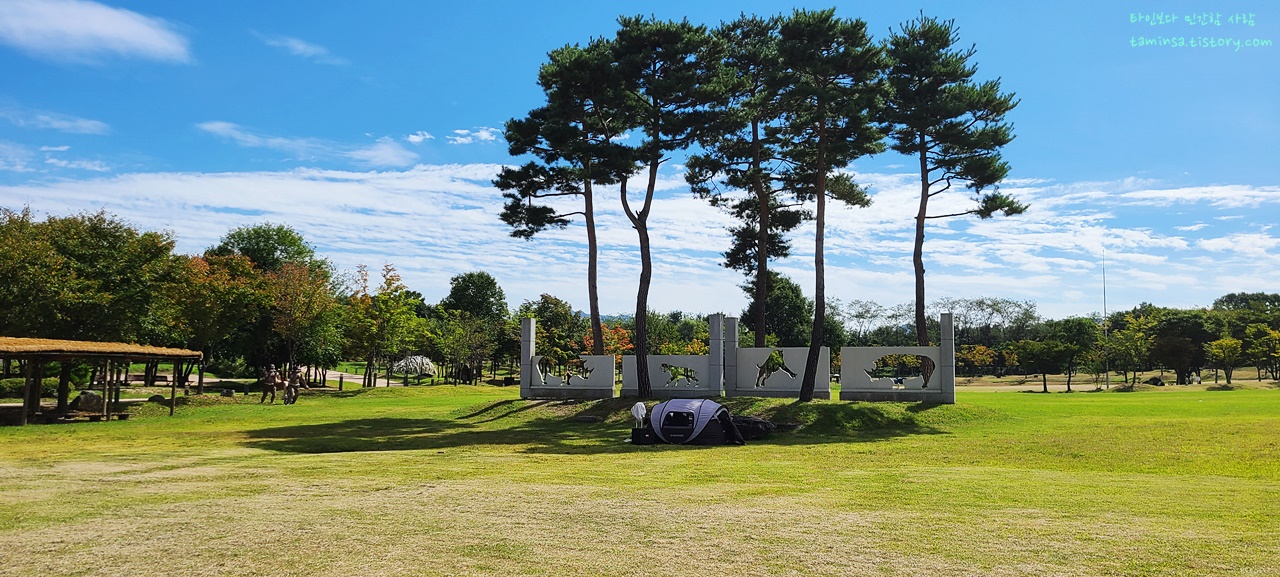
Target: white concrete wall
664	384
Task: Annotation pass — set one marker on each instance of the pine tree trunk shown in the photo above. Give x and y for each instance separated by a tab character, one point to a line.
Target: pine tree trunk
593	293
762	238
917	255
639	219
644	387
808	384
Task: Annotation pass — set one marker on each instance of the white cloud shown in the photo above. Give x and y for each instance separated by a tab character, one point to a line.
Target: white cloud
419	137
382	153
1222	196
14	157
480	134
436	221
62	148
94	165
1248	244
1191	227
83	31
44	120
299	47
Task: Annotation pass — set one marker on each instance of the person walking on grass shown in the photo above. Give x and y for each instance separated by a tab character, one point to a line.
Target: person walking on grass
292	388
270	382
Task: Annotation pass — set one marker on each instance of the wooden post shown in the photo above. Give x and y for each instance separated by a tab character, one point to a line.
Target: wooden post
26	392
37	386
112	368
173	395
200	377
340	382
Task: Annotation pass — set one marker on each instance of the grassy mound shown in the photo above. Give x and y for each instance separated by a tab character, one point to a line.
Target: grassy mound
813	419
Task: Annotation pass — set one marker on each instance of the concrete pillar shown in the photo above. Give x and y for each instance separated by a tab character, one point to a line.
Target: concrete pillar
528	336
730	353
947	370
716	325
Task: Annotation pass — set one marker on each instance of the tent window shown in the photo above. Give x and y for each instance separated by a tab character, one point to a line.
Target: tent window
678	419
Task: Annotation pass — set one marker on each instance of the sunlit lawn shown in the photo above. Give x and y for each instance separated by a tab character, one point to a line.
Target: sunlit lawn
449	480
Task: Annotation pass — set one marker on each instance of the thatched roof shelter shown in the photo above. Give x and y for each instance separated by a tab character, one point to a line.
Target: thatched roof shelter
39	351
54	349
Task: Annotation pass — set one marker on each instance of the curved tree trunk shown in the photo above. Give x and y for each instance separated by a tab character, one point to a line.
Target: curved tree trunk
640	220
762	238
807	385
593	295
917	255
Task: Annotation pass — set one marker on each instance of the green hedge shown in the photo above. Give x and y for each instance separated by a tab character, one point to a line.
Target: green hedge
12	388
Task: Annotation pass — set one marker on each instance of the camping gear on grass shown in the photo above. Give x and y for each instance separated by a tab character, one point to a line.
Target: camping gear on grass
694	422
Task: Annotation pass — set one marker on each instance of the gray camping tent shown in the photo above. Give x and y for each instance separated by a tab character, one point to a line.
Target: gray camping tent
694	422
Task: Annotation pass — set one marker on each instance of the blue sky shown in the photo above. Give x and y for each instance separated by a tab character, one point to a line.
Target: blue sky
374	128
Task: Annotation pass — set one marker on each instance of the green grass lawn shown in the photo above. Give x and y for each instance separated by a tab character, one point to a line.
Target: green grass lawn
467	480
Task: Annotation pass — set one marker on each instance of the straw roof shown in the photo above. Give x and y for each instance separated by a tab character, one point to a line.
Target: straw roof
14	347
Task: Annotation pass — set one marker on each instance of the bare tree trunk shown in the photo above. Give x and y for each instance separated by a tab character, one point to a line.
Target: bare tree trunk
762	238
593	293
819	284
917	255
640	220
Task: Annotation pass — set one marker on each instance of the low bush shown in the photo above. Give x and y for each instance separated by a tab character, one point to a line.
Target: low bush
232	368
12	388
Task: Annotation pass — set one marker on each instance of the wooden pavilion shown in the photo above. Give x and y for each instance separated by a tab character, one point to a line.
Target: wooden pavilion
111	362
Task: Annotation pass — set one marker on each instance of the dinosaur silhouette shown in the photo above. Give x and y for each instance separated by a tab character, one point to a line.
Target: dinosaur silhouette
676	373
772	364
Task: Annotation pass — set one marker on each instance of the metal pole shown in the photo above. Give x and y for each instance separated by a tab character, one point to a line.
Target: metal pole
1106	322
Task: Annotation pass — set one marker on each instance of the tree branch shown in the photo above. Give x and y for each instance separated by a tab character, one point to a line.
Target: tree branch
974	211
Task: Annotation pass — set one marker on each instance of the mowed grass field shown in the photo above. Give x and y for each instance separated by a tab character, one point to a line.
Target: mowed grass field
463	480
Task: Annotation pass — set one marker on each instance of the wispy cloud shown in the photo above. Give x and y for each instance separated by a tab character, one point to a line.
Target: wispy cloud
84	32
44	120
94	165
384	152
435	221
1191	227
298	47
419	137
1225	196
478	134
62	148
14	157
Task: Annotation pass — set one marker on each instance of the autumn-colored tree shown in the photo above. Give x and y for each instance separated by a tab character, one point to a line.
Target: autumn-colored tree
217	296
379	324
301	295
974	357
617	341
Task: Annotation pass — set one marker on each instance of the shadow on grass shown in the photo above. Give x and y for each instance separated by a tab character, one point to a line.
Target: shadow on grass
559	433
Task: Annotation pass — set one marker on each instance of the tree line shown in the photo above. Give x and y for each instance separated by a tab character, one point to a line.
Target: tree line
261	296
767	114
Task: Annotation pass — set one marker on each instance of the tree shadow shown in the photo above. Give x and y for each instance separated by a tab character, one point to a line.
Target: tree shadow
834	423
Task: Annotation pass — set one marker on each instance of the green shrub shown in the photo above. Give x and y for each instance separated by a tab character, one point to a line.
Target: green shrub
12	388
232	368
